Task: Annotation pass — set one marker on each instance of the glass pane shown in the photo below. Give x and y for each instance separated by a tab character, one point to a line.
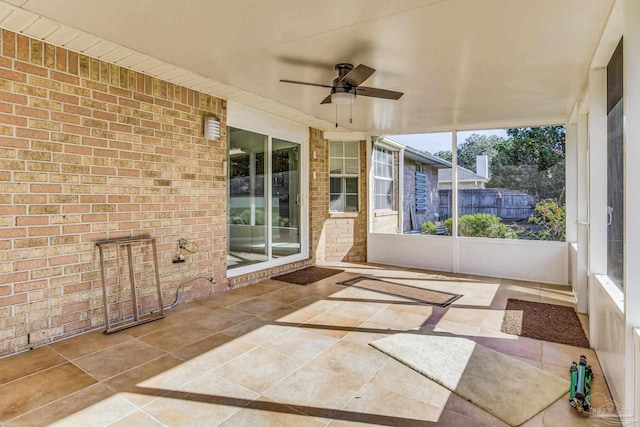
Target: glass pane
335	185
246	201
351	149
335	166
335	149
351	185
351	166
285	218
336	203
511	183
351	203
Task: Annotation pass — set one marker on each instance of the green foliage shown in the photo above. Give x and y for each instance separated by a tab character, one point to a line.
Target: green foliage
244	218
530	160
550	217
445	155
481	225
428	227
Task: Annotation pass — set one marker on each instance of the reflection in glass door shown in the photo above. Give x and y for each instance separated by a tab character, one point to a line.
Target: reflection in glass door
247	234
264	212
285	190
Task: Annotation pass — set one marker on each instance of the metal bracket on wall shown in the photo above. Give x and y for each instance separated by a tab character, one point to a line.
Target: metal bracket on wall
137	319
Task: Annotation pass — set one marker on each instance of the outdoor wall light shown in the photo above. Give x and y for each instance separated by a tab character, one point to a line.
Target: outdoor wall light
212	128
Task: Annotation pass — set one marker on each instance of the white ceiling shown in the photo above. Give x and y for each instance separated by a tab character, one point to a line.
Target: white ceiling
461	63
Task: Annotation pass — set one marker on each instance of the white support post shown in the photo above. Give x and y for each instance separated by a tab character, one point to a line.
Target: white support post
631	85
571	180
597	186
454	200
581	286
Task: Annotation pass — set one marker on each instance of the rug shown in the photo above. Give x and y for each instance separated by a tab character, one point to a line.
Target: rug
307	275
548	322
510	389
441	299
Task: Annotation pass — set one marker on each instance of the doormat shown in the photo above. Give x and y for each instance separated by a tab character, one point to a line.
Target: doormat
441	299
307	275
548	322
510	389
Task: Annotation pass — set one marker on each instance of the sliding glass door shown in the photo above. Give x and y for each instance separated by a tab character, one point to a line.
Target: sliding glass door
264	218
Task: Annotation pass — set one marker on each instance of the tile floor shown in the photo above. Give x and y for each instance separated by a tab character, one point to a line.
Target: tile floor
279	354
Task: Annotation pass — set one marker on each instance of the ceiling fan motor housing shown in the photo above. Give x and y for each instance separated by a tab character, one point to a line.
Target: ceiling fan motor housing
340	86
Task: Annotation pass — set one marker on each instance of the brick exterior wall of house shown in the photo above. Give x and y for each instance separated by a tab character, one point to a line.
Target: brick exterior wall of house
91	151
344	235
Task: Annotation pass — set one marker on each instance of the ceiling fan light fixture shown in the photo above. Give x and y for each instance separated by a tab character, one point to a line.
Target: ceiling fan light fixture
342	98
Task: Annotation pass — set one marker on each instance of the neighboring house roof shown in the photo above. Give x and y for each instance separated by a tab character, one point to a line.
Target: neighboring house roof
425	158
464	175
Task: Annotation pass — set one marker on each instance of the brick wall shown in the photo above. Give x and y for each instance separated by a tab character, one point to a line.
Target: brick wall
337	236
91	151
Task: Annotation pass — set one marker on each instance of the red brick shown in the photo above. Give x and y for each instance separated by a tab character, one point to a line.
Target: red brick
13	300
13	277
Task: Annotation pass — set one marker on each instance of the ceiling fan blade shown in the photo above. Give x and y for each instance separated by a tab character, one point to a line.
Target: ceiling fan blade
305	83
327	100
378	93
358	75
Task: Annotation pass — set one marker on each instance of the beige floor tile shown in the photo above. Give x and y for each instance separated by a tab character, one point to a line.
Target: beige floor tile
444	326
360	311
363	337
521	346
30	362
214	351
383	406
154	379
95	405
561	354
399	320
264	413
288	294
206	401
330	324
138	418
222	319
361	361
117	359
257	306
290	315
31	392
425	310
301	344
257	330
315	389
88	343
561	413
259	368
176	337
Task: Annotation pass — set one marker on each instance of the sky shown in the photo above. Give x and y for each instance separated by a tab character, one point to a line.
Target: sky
434	142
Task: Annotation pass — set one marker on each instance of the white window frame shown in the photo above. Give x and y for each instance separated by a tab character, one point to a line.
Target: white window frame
344	175
384	178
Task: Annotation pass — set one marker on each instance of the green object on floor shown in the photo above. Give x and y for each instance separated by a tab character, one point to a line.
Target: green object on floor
580	393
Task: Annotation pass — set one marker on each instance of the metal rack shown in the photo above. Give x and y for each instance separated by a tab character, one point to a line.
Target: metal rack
137	318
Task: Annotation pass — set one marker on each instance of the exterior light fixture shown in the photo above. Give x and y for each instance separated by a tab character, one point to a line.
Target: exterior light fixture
343	98
212	128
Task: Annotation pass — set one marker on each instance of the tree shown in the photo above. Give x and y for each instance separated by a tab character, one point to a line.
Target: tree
472	147
531	160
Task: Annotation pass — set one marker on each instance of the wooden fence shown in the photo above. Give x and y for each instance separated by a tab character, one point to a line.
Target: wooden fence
507	204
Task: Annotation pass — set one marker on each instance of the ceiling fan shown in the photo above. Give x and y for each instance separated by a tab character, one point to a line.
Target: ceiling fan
346	86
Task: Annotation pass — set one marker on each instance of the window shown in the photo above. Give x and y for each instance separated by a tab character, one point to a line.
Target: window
344	167
383	171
